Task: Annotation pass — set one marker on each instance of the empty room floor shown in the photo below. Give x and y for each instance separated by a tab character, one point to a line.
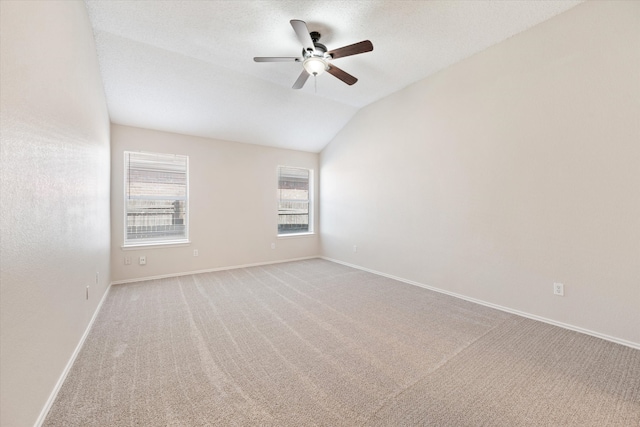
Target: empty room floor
317	343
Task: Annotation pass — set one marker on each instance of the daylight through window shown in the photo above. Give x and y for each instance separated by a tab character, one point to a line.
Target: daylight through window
294	200
156	198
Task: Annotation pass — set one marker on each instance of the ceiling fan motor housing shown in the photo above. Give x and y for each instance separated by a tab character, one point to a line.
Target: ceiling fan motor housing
320	51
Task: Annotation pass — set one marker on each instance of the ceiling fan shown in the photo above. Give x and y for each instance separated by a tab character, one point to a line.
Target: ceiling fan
315	57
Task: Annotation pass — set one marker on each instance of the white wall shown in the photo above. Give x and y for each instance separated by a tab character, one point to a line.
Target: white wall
514	169
232	204
55	197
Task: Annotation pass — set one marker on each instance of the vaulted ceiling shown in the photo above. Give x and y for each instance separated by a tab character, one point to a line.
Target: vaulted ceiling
187	66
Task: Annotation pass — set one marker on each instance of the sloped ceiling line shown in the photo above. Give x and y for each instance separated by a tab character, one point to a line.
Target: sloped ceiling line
187	67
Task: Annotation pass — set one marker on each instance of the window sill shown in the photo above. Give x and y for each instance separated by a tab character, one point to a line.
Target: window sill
155	245
288	236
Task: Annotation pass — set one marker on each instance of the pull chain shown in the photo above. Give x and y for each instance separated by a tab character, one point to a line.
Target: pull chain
315	82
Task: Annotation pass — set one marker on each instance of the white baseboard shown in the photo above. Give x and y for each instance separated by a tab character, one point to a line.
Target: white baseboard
209	270
65	372
496	306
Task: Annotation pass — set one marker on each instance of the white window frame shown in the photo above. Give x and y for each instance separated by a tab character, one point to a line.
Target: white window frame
310	200
129	243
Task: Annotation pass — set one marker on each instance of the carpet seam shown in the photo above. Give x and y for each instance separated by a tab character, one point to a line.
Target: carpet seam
431	372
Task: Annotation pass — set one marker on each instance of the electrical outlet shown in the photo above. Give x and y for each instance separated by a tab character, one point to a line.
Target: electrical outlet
195	252
273	246
127	260
558	289
355	248
97	277
143	260
87	294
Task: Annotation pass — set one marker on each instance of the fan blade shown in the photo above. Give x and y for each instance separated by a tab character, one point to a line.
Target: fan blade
302	79
342	75
300	27
352	49
276	59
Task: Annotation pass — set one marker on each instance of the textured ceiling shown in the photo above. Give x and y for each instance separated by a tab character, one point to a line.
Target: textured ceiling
187	66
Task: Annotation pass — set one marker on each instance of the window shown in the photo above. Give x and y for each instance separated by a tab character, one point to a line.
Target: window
156	198
294	200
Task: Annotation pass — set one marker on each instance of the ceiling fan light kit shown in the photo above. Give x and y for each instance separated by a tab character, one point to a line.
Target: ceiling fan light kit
315	65
315	58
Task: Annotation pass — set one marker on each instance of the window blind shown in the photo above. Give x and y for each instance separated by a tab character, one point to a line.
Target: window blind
156	198
294	201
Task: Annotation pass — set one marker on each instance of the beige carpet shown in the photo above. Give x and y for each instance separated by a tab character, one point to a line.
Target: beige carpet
317	343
